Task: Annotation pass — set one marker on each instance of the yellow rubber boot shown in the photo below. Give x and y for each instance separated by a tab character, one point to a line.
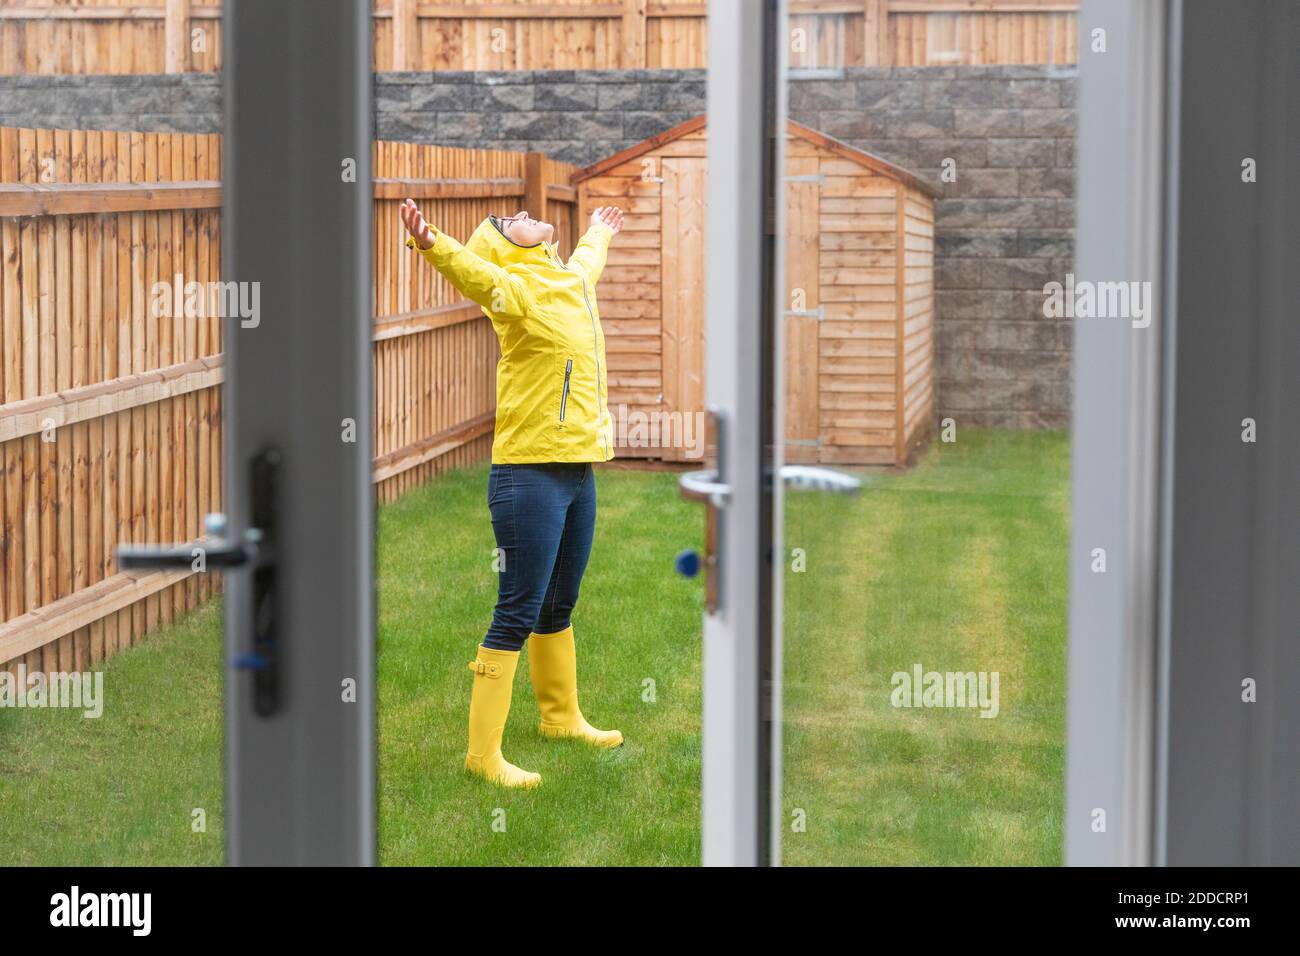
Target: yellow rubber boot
553	662
489	705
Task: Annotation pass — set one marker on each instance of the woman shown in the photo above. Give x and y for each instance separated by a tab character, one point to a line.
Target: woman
551	425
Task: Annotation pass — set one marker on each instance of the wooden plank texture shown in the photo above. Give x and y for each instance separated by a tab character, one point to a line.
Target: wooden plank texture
858	285
157	36
683	291
802	284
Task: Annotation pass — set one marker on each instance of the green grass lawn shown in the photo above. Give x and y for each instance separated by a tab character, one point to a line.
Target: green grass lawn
637	621
958	564
121	789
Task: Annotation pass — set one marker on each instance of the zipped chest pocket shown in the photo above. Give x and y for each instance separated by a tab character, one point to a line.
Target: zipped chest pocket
564	395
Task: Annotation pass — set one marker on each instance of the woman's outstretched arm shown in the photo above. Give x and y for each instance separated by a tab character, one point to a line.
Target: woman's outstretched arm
483	282
589	255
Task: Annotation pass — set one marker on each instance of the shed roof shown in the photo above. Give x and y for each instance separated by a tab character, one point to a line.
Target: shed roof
852	153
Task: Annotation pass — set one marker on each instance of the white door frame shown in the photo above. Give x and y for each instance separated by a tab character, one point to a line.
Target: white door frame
1116	439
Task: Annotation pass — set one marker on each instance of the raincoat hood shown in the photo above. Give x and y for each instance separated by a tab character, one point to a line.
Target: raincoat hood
490	243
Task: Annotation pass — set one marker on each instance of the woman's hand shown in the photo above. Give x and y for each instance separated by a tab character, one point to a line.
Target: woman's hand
610	216
414	222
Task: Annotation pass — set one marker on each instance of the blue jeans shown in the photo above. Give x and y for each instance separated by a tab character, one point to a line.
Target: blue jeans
543	517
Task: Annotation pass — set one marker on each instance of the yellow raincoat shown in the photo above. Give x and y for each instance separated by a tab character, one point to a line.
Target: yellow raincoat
551	378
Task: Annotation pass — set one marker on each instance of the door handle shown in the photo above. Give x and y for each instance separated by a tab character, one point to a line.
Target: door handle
711	484
712	487
812	478
214	549
253	549
705	486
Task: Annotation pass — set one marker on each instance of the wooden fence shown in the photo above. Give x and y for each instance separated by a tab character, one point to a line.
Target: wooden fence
110	414
156	36
110	427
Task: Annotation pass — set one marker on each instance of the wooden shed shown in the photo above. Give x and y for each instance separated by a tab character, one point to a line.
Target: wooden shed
859	319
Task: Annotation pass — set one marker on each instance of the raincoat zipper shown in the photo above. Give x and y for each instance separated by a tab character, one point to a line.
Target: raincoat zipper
564	395
595	349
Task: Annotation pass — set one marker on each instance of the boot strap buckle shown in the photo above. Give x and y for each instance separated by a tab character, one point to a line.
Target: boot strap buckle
486	668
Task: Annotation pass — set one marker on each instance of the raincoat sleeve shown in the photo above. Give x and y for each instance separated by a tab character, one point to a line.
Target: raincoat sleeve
589	254
483	282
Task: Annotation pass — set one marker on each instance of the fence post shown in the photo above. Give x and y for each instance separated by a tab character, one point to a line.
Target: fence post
406	34
534	186
176	36
634	34
875	34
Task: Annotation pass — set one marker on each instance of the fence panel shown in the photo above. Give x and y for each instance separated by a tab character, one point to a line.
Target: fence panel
170	36
110	422
109	36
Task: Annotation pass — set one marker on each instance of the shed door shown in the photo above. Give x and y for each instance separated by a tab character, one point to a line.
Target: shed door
802	308
683	275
